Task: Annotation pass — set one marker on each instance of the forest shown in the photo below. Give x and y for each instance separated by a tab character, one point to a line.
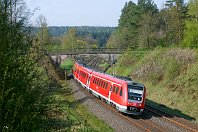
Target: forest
144	26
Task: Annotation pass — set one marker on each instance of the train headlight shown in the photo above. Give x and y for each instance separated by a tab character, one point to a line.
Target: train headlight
138	104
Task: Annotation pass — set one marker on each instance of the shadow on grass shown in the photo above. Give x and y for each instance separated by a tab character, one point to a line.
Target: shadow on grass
54	124
174	112
60	116
77	102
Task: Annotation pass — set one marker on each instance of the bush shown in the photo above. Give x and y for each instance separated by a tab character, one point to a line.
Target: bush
67	65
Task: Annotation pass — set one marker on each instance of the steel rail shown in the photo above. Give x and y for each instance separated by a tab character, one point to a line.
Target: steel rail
158	112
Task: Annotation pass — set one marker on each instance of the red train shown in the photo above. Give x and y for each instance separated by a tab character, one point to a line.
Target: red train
124	94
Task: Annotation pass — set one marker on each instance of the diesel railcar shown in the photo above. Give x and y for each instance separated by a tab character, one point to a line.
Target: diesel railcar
124	94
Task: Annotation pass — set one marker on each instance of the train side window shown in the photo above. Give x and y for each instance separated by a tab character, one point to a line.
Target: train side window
106	85
111	88
102	84
117	90
97	81
94	80
121	91
114	89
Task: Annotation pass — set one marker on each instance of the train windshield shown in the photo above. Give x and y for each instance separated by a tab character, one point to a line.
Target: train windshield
135	92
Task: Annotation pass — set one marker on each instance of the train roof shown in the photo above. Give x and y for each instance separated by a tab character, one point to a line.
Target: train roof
115	78
109	77
84	68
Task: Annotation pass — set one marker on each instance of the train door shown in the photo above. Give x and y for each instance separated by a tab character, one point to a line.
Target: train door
77	76
88	80
109	95
115	93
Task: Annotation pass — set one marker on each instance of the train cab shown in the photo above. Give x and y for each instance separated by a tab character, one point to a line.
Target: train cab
136	98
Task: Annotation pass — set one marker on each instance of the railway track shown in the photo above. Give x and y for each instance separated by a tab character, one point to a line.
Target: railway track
173	119
90	60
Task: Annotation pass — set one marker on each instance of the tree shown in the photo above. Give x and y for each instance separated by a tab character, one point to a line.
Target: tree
23	84
191	31
136	27
148	27
127	31
42	37
69	40
174	16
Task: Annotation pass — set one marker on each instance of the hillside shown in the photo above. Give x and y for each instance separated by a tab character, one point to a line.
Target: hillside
170	75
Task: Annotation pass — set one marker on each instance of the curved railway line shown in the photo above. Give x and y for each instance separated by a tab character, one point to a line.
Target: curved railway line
140	121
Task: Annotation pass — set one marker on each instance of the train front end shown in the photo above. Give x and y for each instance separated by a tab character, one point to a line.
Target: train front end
136	98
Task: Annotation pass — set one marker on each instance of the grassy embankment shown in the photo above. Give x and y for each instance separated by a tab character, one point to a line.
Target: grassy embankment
65	114
170	75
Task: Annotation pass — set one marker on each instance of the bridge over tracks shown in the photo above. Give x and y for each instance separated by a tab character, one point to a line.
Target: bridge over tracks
109	54
78	51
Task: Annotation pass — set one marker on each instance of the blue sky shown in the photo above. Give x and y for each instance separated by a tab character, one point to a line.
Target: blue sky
80	12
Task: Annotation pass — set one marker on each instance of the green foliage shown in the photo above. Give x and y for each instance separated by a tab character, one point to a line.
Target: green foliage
42	36
142	25
104	65
67	65
69	40
136	26
23	82
191	35
191	31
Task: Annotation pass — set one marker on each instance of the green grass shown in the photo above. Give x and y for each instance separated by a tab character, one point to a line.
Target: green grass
170	75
